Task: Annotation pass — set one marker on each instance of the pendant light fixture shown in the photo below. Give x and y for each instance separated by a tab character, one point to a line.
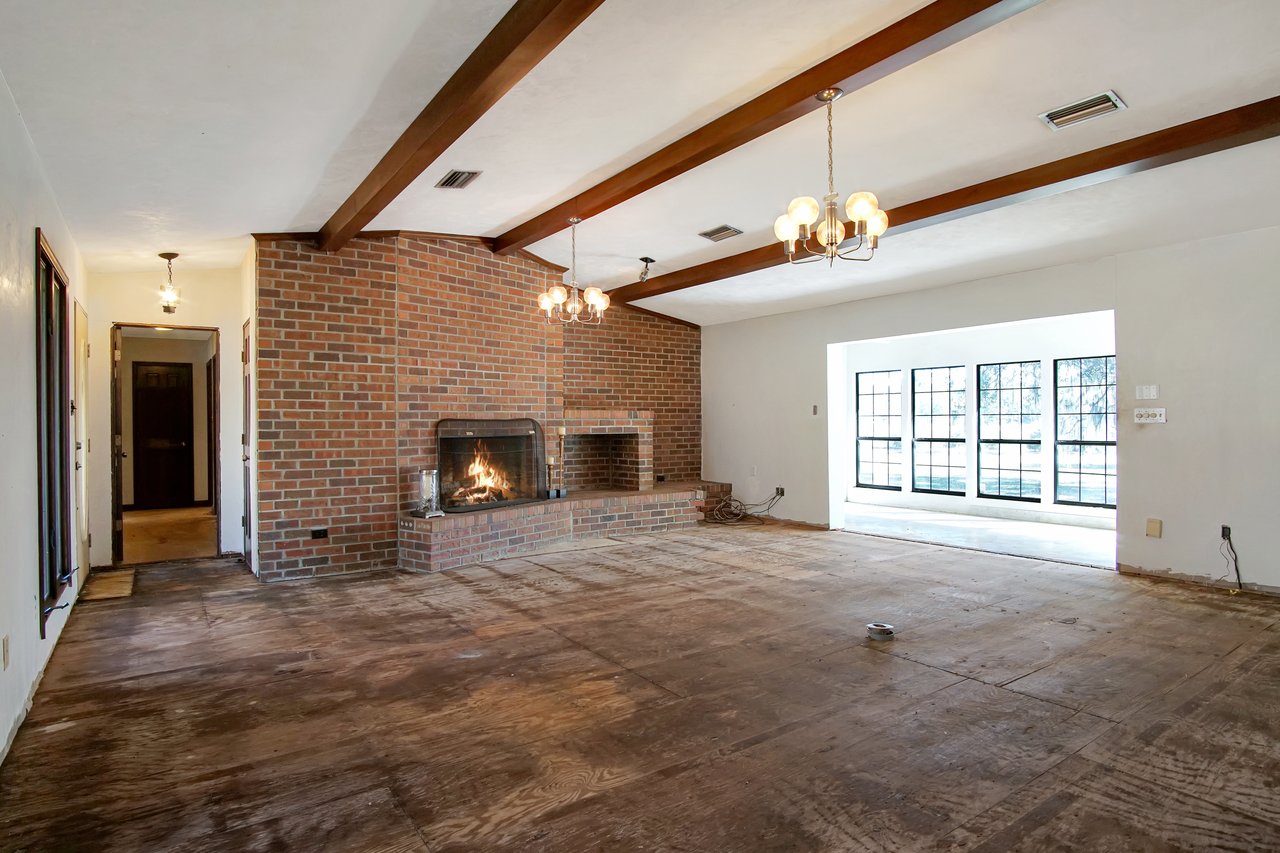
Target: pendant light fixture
169	296
565	304
803	243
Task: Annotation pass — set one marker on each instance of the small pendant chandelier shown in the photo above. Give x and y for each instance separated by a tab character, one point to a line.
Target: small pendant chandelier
868	221
169	296
564	304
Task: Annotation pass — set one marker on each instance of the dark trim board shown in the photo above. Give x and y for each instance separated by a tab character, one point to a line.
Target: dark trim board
1219	132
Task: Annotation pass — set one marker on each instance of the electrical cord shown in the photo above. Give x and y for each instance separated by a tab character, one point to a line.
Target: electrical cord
1228	551
730	510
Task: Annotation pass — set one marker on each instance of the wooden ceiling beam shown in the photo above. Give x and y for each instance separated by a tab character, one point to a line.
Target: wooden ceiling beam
529	31
1219	132
919	35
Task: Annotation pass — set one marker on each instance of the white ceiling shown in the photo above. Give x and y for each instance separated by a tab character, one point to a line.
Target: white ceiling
185	126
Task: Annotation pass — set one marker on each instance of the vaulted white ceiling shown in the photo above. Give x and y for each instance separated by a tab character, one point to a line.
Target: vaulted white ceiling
186	126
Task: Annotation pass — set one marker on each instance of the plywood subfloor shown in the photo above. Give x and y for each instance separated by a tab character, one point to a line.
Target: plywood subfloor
707	690
155	535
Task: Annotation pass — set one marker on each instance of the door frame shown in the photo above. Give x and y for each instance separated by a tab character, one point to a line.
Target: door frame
80	435
118	383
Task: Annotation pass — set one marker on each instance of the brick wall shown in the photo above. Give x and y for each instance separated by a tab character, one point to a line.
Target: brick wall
362	351
326	408
637	361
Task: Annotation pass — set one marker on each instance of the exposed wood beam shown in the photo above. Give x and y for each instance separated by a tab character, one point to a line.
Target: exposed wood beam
524	36
1218	132
919	35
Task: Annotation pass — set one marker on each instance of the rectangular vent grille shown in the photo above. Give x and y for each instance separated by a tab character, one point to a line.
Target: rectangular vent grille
722	232
456	180
1098	105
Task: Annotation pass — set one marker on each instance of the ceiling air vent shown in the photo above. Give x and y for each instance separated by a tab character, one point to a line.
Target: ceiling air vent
456	180
720	232
1098	105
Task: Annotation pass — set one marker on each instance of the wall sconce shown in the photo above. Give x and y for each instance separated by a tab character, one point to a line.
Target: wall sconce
169	296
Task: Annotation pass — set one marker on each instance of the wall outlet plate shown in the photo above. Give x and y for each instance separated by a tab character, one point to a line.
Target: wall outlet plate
1148	416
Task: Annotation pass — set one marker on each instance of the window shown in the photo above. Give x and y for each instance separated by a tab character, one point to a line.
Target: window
53	417
1086	431
938	420
1009	430
879	414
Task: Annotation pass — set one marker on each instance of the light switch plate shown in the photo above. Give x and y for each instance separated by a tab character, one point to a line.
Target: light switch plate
1155	528
1148	416
1147	392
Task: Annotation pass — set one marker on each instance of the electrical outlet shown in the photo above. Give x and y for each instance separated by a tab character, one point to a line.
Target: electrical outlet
1226	531
780	492
5	644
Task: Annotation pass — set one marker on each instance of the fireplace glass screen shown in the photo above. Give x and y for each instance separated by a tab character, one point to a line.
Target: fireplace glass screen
490	463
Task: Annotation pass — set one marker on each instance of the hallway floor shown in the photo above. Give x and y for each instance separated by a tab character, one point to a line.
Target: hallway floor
153	535
707	690
1064	543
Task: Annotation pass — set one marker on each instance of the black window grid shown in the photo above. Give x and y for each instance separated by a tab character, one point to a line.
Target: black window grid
879	431
1011	409
938	430
1085	431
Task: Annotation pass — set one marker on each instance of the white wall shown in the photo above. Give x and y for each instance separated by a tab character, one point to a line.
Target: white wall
210	298
26	203
1198	319
1041	340
1202	320
194	353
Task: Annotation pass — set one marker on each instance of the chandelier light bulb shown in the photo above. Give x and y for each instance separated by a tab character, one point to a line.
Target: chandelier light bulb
823	231
861	206
877	224
592	296
785	228
803	210
604	302
575	305
545	303
559	294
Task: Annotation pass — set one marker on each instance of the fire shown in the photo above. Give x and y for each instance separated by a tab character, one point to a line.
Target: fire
487	482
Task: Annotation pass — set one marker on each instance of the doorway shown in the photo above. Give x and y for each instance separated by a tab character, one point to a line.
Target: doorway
165	424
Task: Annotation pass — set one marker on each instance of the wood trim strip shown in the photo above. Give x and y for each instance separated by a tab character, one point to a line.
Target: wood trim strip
1219	132
529	31
917	36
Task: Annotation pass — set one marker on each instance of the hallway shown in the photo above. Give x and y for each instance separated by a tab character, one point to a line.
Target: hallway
153	535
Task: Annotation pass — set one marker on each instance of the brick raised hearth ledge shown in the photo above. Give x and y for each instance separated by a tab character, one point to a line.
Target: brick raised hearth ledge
436	544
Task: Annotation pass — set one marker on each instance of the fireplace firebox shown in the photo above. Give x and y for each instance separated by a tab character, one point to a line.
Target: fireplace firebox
490	463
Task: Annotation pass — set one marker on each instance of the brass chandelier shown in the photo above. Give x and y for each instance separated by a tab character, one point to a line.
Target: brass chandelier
804	244
565	304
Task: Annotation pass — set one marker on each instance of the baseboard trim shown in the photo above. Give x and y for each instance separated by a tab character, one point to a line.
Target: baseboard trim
1196	580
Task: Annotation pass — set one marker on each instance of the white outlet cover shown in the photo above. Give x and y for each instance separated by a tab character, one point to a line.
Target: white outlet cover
1149	416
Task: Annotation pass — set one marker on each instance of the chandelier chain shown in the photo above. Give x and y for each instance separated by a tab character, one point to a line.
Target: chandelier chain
573	249
831	168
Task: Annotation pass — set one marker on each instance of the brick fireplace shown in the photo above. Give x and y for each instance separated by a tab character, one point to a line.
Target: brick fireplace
361	355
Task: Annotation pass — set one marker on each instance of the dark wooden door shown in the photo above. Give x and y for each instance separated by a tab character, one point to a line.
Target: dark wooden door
163	460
